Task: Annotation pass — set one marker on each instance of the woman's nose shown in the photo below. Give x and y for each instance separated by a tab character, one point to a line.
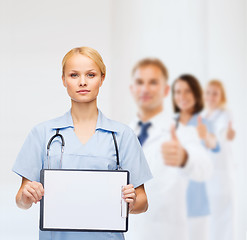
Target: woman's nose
183	96
82	81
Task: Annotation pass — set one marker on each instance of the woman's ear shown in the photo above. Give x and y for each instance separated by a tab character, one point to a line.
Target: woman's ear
102	80
64	82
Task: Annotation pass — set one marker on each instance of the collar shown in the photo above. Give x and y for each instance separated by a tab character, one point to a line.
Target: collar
192	121
103	122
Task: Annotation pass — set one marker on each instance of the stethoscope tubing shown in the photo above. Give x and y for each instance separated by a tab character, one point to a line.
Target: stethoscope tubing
63	144
49	146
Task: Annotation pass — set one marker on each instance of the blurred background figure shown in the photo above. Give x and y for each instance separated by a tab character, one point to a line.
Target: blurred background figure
174	156
221	186
187	98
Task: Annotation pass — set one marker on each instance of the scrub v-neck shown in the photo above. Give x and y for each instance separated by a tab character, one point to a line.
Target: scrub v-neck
87	142
90	139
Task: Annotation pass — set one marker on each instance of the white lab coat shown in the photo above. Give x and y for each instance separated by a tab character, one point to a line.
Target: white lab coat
221	190
166	217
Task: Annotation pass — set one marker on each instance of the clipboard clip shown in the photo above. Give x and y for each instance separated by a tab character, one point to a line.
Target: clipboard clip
124	206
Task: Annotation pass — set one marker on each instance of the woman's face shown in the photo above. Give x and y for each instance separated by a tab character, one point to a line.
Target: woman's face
82	78
183	96
212	96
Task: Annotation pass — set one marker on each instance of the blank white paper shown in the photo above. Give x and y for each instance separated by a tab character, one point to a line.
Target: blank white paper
84	200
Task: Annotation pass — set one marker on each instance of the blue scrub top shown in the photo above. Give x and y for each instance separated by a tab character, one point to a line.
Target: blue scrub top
196	196
98	153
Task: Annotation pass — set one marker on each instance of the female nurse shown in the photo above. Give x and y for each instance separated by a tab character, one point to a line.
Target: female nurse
221	186
187	98
89	143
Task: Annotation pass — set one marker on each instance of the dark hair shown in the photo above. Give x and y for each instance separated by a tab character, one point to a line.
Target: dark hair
154	62
196	91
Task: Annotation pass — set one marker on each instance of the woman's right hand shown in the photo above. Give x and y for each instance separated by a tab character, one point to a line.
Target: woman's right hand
29	193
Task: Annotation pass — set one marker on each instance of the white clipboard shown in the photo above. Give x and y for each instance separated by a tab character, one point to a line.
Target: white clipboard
83	200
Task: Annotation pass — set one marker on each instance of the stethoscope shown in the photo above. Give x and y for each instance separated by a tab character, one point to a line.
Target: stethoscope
63	144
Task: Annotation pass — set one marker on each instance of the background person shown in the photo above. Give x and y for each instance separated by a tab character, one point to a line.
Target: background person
173	157
221	186
187	98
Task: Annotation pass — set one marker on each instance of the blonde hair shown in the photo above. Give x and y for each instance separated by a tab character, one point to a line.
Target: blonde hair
88	52
220	85
154	62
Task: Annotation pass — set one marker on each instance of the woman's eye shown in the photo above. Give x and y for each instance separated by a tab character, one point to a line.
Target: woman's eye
73	75
91	75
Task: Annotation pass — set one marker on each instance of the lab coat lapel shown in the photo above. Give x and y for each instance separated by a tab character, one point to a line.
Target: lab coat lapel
161	125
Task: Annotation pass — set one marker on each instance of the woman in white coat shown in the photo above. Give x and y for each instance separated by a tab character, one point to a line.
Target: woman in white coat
187	97
221	185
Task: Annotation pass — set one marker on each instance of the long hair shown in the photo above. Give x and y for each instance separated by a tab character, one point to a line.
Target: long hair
196	91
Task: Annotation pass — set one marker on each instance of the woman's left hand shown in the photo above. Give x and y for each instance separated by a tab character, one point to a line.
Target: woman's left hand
230	134
201	129
129	195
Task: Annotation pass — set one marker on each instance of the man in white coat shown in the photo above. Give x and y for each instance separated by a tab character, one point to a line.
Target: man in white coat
174	156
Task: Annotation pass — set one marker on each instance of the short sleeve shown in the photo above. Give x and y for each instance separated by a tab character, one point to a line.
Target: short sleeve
133	159
29	160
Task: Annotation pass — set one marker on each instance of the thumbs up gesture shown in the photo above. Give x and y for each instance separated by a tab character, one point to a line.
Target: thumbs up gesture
230	134
201	129
172	151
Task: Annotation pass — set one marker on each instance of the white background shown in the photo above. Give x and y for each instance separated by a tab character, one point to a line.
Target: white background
207	38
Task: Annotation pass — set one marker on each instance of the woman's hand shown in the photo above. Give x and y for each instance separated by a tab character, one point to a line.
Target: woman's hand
230	134
208	138
201	129
32	192
29	193
129	195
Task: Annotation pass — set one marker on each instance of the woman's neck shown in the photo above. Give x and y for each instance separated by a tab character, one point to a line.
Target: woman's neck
146	114
84	112
185	116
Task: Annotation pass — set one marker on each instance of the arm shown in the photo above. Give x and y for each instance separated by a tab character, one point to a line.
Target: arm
29	193
210	141
134	161
136	198
230	133
208	138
